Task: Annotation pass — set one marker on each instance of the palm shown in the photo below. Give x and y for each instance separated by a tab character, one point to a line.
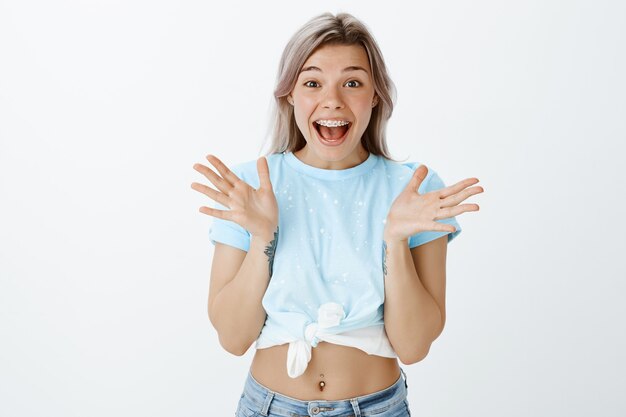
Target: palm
256	210
412	212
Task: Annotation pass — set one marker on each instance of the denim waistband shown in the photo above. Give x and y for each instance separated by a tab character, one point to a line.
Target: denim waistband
261	399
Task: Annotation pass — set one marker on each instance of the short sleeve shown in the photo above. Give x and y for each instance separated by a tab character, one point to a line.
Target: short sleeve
228	232
432	182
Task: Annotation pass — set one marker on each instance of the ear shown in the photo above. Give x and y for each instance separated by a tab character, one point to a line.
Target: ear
375	101
290	99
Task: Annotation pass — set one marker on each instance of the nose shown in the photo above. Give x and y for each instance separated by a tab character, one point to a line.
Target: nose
332	99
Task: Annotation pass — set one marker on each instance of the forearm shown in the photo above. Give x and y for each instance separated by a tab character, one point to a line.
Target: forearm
412	317
238	315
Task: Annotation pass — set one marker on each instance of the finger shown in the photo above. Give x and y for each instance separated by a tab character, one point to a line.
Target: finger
455	199
417	178
211	193
442	227
446	213
455	188
220	214
220	183
224	171
264	172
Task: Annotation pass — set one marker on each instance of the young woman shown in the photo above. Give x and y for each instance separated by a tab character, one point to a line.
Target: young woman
328	253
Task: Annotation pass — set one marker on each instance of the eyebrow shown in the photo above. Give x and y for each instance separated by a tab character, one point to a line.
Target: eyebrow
346	69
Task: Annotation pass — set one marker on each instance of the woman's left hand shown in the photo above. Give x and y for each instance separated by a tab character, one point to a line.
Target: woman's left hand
412	212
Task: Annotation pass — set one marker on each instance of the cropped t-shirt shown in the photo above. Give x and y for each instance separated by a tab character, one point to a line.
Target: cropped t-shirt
327	282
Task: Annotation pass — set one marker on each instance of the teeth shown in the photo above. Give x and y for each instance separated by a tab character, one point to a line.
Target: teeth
332	123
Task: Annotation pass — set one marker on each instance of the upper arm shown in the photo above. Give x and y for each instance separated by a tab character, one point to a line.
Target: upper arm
232	243
430	264
226	263
429	248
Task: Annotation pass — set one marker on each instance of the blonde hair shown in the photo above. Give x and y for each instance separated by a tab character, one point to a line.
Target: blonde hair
324	29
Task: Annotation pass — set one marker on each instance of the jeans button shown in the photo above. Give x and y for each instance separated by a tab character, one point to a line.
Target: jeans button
315	410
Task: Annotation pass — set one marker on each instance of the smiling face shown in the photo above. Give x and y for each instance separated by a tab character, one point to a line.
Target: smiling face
335	86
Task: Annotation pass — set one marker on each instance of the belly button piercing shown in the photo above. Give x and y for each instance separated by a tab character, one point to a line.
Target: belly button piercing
322	383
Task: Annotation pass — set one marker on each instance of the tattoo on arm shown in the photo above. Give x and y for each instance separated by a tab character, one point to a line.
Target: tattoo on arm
384	259
270	250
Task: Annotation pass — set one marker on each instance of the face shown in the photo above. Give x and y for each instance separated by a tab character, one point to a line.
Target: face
334	87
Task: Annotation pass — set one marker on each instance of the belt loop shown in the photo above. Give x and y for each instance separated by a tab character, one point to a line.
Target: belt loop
355	407
404	375
266	404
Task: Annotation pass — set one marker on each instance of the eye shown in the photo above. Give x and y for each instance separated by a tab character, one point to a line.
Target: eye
354	82
307	84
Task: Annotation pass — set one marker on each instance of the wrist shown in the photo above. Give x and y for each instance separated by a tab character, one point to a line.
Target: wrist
390	243
264	238
390	238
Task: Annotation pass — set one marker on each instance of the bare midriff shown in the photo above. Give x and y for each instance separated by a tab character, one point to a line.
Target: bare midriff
347	372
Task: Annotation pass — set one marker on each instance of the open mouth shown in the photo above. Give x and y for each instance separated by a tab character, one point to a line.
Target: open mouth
333	131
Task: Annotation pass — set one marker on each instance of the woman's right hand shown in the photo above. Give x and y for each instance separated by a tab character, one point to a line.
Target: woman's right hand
254	210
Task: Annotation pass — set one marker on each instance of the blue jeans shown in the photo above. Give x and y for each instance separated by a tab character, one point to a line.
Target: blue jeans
258	400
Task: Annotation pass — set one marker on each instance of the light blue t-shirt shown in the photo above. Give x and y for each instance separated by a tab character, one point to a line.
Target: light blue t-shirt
330	237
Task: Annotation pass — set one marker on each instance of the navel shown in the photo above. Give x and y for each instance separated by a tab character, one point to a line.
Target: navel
322	384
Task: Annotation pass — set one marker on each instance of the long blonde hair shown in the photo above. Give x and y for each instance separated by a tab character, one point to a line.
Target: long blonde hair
325	29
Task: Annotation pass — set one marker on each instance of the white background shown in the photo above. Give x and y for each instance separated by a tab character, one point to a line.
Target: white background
105	259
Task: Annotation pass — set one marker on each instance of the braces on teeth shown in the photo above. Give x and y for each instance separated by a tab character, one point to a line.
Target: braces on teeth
331	123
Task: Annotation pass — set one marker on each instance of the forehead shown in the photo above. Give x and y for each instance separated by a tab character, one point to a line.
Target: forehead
331	57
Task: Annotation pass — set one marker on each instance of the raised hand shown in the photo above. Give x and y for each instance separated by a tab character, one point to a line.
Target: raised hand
412	212
256	210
